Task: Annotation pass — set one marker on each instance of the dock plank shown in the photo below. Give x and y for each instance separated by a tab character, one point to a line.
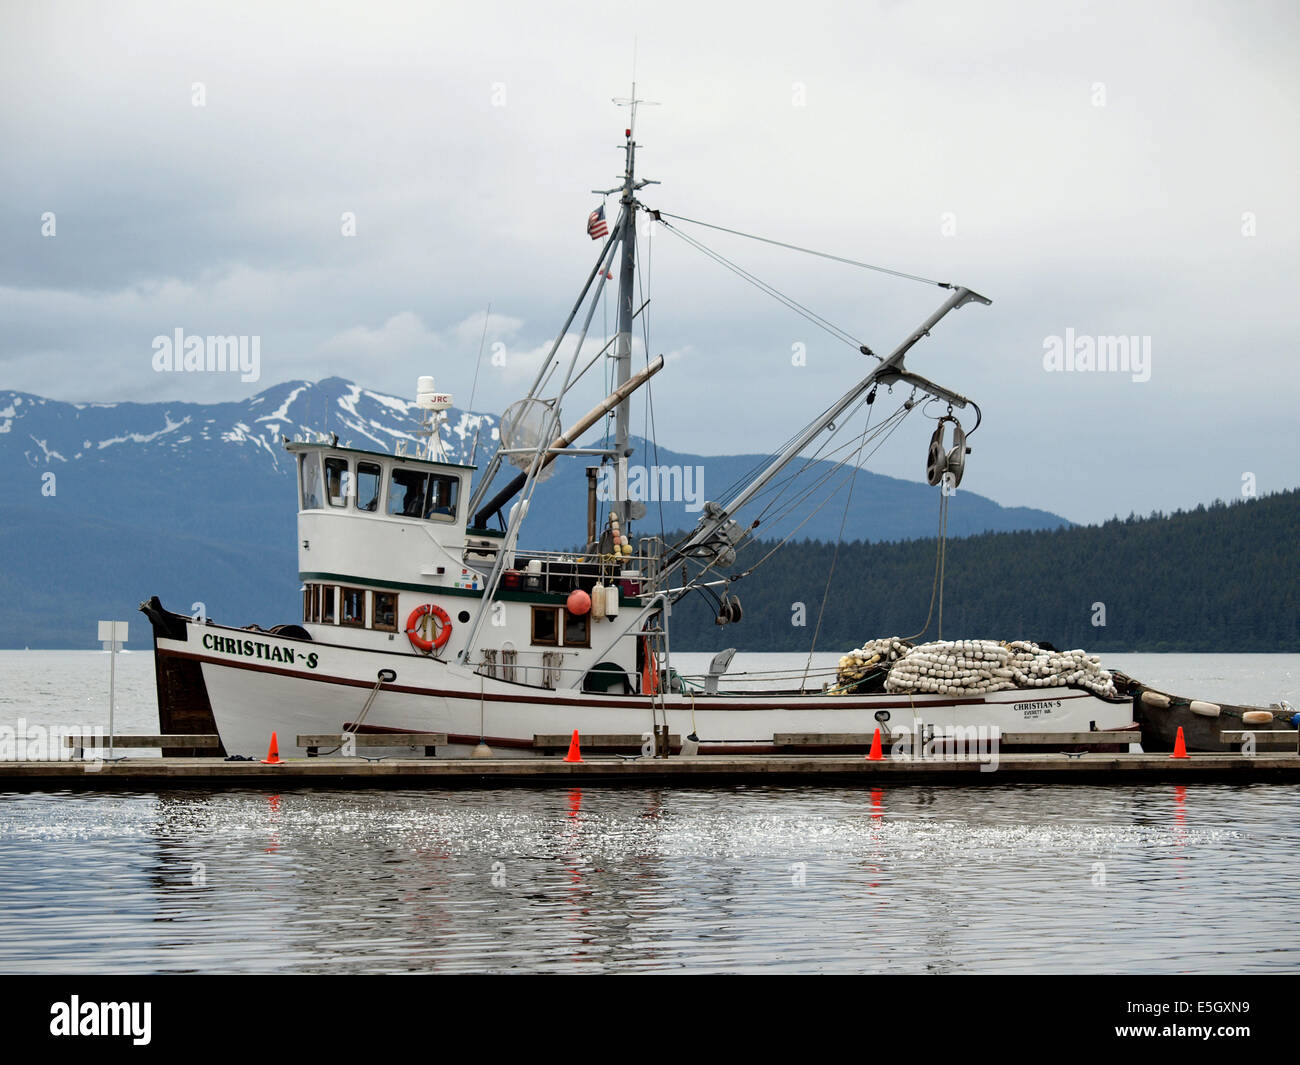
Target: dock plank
724	770
1273	739
137	741
375	739
599	741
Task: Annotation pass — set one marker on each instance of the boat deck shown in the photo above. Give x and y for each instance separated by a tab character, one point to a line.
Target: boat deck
1086	768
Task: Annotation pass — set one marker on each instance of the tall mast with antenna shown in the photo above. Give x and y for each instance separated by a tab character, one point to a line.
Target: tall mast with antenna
626	290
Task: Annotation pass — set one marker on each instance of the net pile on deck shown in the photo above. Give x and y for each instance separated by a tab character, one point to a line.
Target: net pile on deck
955	667
872	657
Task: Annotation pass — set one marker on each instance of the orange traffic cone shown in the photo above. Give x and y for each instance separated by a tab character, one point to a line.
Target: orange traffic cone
875	755
1180	745
273	753
575	754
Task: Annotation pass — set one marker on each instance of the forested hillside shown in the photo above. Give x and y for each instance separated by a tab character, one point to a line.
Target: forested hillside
1218	578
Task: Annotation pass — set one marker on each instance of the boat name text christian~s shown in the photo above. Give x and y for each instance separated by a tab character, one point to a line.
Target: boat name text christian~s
254	649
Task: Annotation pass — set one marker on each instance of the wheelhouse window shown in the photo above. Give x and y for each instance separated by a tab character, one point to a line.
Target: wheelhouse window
546	625
353	601
310	479
306	602
383	611
406	493
369	480
338	482
419	494
327	604
443	491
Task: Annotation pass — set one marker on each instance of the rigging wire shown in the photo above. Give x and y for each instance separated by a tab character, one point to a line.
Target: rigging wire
487	315
752	471
643	278
887	428
897	418
775	488
830	576
822	478
936	589
479	364
769	290
884	427
806	251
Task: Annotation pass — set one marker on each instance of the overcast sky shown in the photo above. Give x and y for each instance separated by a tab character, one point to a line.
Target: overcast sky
1111	169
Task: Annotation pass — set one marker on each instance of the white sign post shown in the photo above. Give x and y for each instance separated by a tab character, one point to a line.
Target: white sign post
112	634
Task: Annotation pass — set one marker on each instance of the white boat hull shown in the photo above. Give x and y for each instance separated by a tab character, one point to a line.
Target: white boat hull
258	683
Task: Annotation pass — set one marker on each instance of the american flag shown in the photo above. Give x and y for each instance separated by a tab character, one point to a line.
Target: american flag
596	225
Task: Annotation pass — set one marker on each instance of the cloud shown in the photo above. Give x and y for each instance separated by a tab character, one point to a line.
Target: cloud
966	145
402	336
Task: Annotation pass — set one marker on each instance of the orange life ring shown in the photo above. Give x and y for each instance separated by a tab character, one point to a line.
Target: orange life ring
412	627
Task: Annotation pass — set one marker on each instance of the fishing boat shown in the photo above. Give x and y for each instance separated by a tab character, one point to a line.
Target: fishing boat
425	609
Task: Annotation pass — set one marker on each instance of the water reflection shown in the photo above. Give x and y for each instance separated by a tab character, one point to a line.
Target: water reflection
745	879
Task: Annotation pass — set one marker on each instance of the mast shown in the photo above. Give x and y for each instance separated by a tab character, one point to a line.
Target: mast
623	345
626	291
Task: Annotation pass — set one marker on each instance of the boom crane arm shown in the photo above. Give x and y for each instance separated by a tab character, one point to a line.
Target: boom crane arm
719	518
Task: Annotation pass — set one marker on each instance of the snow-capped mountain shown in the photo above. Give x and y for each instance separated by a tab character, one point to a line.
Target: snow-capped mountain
48	434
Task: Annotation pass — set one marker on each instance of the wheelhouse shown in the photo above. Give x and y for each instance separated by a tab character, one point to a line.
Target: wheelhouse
340	480
382	539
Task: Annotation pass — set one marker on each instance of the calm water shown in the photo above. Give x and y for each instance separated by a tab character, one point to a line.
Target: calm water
907	879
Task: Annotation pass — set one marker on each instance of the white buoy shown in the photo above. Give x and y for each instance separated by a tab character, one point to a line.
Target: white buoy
1199	706
597	600
611	602
1156	699
1257	717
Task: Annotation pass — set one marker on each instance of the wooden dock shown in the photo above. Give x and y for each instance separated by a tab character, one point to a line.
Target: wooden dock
851	770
